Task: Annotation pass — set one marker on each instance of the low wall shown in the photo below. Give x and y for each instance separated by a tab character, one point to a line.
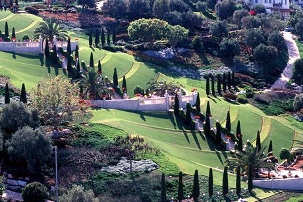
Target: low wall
294	184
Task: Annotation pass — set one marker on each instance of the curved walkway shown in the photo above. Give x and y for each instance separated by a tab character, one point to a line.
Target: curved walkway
31	25
266	124
293	53
7	17
133	69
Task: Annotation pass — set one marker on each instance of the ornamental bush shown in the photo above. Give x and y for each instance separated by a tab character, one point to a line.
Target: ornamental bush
34	192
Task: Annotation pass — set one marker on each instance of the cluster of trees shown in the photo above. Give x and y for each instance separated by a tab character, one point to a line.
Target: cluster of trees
102	35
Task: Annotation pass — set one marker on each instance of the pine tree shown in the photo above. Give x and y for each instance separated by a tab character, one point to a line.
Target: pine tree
187	115
6	32
228	80
114	38
180	187
218	133
198	107
224	82
108	38
225	182
250	178
228	124
207	86
102	37
207	126
163	188
258	141
208	113
90	39
233	80
99	67
176	106
270	147
238	181
46	49
13	34
210	183
213	92
91	60
124	88
23	94
115	77
7	98
77	52
97	38
219	84
196	187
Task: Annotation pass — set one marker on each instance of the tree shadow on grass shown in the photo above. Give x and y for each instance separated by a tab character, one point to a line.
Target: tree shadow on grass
142	116
41	58
196	139
14	55
172	119
214	100
186	136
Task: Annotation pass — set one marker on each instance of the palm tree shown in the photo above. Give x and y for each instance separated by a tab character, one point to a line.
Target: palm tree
251	155
48	29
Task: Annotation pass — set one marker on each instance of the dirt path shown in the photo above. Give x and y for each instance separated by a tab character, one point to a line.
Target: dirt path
293	53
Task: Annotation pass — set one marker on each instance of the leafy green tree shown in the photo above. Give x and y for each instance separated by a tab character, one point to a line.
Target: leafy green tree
115	77
298	71
238	180
90	39
201	6
270	147
196	186
229	47
115	8
91	60
238	16
211	4
23	94
276	39
298	102
213	92
30	145
254	37
6	32
198	103
6	94
160	7
197	44
177	34
48	29
163	188
285	154
259	8
210	183
225	182
207	86
227	9
176	106
180	187
218	29
187	115
138	90
34	191
78	194
250	22
144	11
264	54
218	133
228	123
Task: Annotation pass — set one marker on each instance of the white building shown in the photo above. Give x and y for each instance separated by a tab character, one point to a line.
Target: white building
274	5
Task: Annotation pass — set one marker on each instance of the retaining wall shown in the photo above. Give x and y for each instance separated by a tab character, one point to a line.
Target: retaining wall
294	184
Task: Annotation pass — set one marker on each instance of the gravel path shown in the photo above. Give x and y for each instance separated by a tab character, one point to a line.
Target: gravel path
293	53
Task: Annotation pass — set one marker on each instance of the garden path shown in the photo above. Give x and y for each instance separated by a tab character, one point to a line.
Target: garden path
31	25
293	53
7	17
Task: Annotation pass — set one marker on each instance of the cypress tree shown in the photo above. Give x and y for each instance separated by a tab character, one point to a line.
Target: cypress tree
97	38
68	48
99	67
108	38
115	77
46	49
163	188
219	84
198	107
81	91
250	178
207	86
114	36
124	88
228	80
238	132
69	67
238	181
180	187
218	133
6	32
210	183
233	80
240	143
208	113
187	115
225	182
213	92
224	82
55	57
258	141
91	60
77	52
10	2
207	126
176	106
102	37
6	93
196	187
23	94
13	34
16	2
90	39
228	124
270	147
78	69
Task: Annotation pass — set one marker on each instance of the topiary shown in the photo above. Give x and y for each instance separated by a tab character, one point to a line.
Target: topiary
34	192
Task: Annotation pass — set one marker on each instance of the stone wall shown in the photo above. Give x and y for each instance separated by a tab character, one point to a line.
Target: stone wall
294	184
14	184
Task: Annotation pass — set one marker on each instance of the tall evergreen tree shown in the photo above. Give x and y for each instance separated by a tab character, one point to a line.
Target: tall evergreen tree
225	182
219	84
224	82
90	39
198	107
99	67
207	86
91	60
115	77
114	38
176	106
228	123
180	187
46	49
97	38
163	188
218	133
250	177
228	80
187	115
6	32
68	48
210	183
240	142
55	57
208	113
108	38
270	146
124	88
196	187
213	91
69	67
6	93
258	141
233	80
238	131
102	37
23	97
13	34
77	52
238	181
207	126
78	69
81	91
10	3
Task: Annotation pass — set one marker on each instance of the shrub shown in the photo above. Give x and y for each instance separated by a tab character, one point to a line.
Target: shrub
138	90
77	194
32	10
242	100
34	192
25	38
230	96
